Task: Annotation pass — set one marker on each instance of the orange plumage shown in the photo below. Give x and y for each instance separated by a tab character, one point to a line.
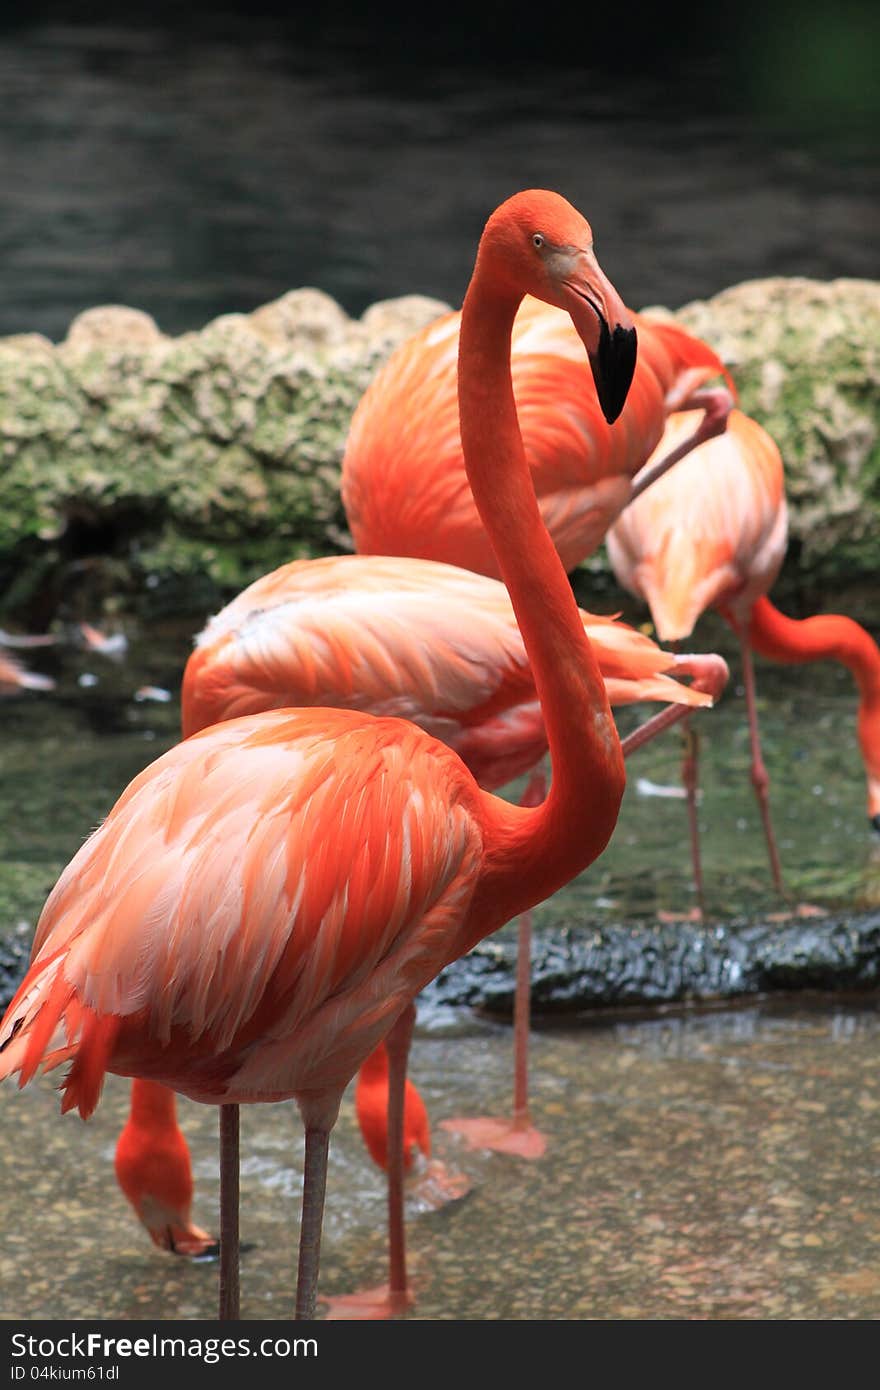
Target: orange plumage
404	485
264	902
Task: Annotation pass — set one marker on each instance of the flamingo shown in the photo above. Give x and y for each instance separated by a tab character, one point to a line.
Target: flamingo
405	492
404	486
265	901
387	635
713	533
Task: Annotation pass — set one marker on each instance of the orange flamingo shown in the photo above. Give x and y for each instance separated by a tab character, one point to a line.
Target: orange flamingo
713	533
265	901
404	485
390	636
405	490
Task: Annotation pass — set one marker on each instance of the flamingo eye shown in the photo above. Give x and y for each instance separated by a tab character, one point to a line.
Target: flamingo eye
537	241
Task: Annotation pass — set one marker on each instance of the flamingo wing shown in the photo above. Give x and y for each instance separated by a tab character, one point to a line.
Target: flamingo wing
297	880
396	636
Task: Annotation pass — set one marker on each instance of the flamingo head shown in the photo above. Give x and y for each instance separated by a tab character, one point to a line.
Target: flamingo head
538	244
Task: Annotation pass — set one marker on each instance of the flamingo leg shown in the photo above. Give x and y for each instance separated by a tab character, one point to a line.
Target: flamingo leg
521	1022
391	1299
229	1207
397	1044
690	781
314	1190
760	776
517	1135
716	403
710	674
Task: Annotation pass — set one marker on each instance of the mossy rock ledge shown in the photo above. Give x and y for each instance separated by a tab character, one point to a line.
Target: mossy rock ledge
136	466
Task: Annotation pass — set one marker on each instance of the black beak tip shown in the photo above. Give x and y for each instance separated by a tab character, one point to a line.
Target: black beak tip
875	821
614	368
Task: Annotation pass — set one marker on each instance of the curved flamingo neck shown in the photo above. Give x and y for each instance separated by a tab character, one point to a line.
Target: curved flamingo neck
152	1104
830	637
375	1067
532	852
826	637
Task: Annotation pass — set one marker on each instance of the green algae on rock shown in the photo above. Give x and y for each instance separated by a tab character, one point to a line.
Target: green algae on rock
135	464
208	457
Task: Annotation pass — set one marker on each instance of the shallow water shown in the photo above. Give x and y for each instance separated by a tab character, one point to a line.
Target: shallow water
65	757
712	1165
705	1166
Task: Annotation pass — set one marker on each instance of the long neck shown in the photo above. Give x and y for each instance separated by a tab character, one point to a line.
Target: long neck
531	853
826	637
830	637
151	1104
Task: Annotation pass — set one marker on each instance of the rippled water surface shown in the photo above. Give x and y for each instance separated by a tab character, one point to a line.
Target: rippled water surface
719	1166
710	1165
193	160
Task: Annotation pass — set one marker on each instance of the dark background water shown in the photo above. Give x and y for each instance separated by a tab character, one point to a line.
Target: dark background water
191	160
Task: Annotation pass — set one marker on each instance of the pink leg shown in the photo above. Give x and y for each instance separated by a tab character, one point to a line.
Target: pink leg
229	1205
690	782
760	777
710	674
314	1189
516	1135
716	403
388	1300
397	1044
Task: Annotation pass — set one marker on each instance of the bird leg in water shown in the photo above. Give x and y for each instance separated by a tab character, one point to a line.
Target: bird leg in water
397	1045
690	781
760	776
710	674
388	1300
314	1190
517	1135
716	403
229	1203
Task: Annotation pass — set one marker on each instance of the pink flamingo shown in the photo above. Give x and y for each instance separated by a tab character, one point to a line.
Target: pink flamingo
713	533
388	635
265	901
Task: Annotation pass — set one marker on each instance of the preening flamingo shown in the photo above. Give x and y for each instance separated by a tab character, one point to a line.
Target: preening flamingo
389	635
713	532
265	900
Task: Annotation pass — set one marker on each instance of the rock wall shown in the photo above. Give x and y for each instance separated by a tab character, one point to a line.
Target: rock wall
132	463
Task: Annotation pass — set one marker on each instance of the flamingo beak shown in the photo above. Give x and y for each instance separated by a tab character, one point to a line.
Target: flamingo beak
613	365
606	328
875	821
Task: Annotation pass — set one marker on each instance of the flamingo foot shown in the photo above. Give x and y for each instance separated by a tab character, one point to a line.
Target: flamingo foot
693	914
438	1185
802	910
505	1136
368	1305
189	1241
